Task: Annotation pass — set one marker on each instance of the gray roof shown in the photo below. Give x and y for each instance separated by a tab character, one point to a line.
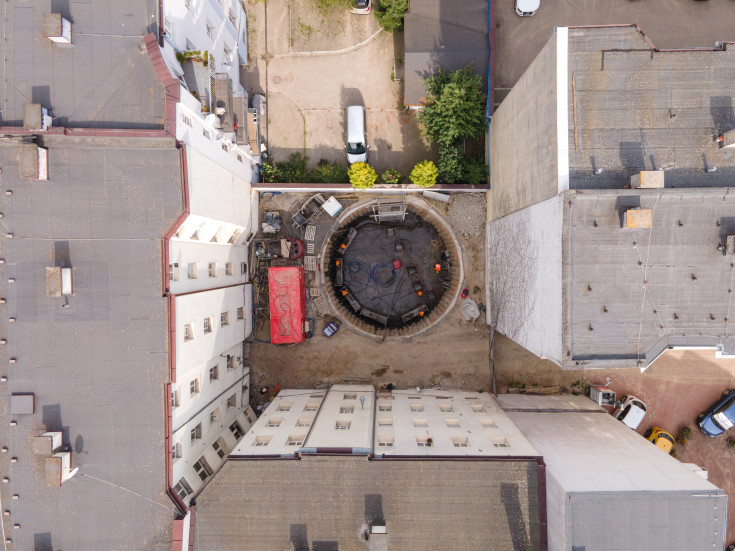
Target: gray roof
449	35
101	80
631	293
325	502
98	366
637	109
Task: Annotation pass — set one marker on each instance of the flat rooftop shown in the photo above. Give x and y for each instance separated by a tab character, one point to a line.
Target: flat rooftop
97	366
630	293
632	108
325	503
101	80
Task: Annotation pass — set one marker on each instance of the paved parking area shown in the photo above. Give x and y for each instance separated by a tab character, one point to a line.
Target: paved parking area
668	23
311	66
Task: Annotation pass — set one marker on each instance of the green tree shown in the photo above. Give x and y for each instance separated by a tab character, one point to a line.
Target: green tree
454	108
330	172
451	163
424	174
391	176
362	175
390	13
474	172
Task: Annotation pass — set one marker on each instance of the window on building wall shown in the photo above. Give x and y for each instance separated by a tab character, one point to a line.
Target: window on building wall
176	451
183	489
230	269
274	422
284	406
424	441
420	422
304	421
193	270
385	407
232	401
232	17
196	432
342	424
175	398
219	448
190	47
203	469
188	332
500	442
213	269
241	313
239	158
194	387
168	28
262	440
213	373
349	397
295	440
452	423
210	29
460	442
214	416
186	119
190	5
235	236
385	441
488	423
228	52
446	408
173	271
347	409
195	235
208	325
385	422
243	268
478	408
230	362
417	407
311	406
236	430
224	319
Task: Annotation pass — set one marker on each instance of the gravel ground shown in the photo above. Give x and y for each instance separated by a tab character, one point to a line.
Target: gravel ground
468	214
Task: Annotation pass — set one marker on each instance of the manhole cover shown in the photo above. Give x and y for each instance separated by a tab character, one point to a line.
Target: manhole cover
276	79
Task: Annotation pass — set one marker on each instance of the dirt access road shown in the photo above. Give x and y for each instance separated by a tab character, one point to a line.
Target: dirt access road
311	65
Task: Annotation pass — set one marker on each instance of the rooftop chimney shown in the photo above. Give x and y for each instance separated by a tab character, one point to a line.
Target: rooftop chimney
56	28
647	179
637	218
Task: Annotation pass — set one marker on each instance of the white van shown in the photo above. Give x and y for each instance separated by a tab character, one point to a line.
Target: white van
630	411
356	141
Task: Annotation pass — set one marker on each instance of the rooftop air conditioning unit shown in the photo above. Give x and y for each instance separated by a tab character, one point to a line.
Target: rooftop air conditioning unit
33	162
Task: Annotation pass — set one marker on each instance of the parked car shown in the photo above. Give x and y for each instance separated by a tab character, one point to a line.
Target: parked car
720	416
331	328
526	8
356	141
361	7
660	438
630	411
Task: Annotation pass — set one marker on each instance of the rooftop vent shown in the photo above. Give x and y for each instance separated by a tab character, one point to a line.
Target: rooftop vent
647	179
36	117
637	218
56	28
33	162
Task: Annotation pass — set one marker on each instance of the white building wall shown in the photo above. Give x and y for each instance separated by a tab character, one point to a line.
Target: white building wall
187	259
189	22
345	419
524	264
457	423
286	421
192	309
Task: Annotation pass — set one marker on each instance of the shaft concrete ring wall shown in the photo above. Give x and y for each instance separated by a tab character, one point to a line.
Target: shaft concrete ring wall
352	321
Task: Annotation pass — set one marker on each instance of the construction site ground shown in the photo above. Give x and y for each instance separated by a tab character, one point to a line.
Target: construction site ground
453	355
